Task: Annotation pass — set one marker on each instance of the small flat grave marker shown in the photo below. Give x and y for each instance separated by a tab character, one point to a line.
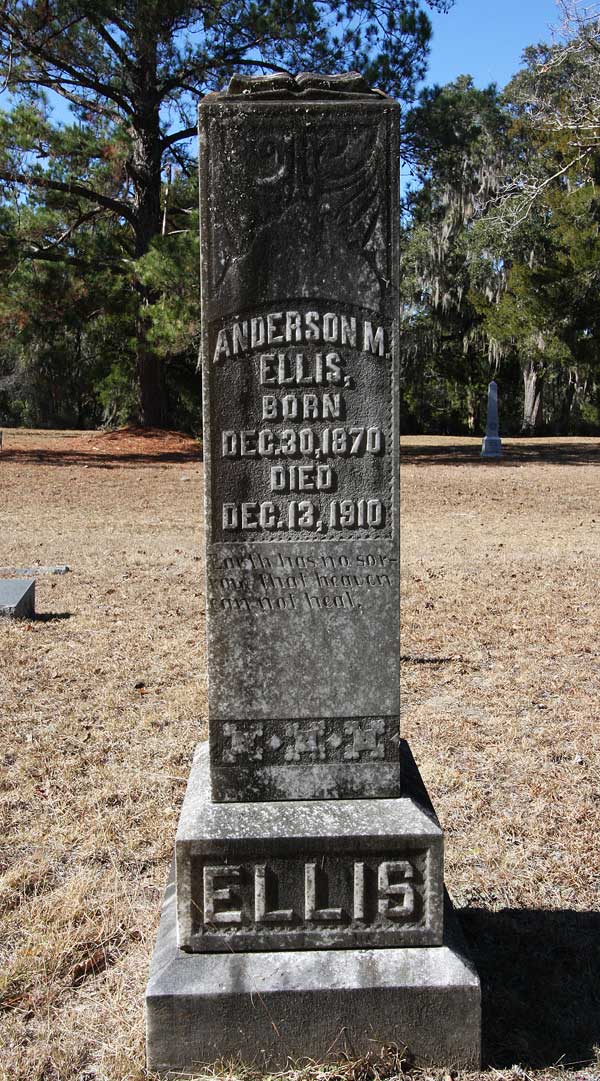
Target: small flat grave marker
17	598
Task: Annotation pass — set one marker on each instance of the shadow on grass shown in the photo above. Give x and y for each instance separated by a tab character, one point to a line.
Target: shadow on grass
50	617
98	461
540	980
514	453
423	658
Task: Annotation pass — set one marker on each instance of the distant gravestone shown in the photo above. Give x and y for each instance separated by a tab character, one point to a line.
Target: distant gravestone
308	913
61	568
492	444
17	598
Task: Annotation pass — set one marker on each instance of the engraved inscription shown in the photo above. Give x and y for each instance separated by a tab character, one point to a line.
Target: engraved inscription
265	884
294	328
312	874
259	584
299	894
304	437
220	900
395	889
358	900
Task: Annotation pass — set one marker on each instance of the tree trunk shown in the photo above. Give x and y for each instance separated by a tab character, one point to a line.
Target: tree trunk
150	377
145	171
566	406
571	403
533	385
471	411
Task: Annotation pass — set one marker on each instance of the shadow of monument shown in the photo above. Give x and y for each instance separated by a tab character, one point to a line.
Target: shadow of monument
540	981
50	617
99	461
513	454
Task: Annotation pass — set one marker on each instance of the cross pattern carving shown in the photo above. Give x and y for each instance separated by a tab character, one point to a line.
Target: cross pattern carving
367	739
306	741
244	740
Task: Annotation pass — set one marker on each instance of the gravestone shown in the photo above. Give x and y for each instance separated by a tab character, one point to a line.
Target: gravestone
307	917
61	568
17	598
492	444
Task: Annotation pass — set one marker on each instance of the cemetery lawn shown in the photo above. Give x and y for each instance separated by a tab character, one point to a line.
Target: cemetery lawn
103	701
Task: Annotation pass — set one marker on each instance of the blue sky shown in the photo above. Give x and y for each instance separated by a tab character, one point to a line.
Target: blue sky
485	38
482	38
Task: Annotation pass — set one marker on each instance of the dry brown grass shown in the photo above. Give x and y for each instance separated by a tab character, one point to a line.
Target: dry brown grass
501	704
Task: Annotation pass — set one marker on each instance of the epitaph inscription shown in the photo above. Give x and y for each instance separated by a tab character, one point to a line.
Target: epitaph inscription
301	429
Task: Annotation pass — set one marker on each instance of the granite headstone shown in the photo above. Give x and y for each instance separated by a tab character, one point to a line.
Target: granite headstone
299	308
295	838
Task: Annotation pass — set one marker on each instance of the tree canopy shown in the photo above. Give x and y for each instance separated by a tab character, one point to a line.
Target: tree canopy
112	187
99	225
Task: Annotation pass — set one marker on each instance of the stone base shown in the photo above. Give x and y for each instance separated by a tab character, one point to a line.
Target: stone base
17	598
312	874
491	447
268	1008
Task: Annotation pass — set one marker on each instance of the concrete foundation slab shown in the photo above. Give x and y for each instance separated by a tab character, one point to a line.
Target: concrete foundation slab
268	1008
17	598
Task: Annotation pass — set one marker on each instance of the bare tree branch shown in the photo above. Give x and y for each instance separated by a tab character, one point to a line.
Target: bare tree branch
50	256
81	220
106	201
79	78
112	44
177	136
10	63
517	199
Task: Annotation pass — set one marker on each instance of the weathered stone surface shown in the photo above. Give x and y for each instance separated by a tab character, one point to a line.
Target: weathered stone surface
311	758
17	598
306	875
264	1008
299	313
492	444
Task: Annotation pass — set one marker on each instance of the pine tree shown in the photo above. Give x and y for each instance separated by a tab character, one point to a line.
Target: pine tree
132	73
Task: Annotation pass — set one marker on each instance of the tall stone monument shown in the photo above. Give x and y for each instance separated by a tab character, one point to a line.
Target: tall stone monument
492	444
307	917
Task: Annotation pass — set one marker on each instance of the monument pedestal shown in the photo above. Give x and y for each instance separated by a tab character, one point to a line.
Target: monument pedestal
362	876
268	1008
491	447
306	874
